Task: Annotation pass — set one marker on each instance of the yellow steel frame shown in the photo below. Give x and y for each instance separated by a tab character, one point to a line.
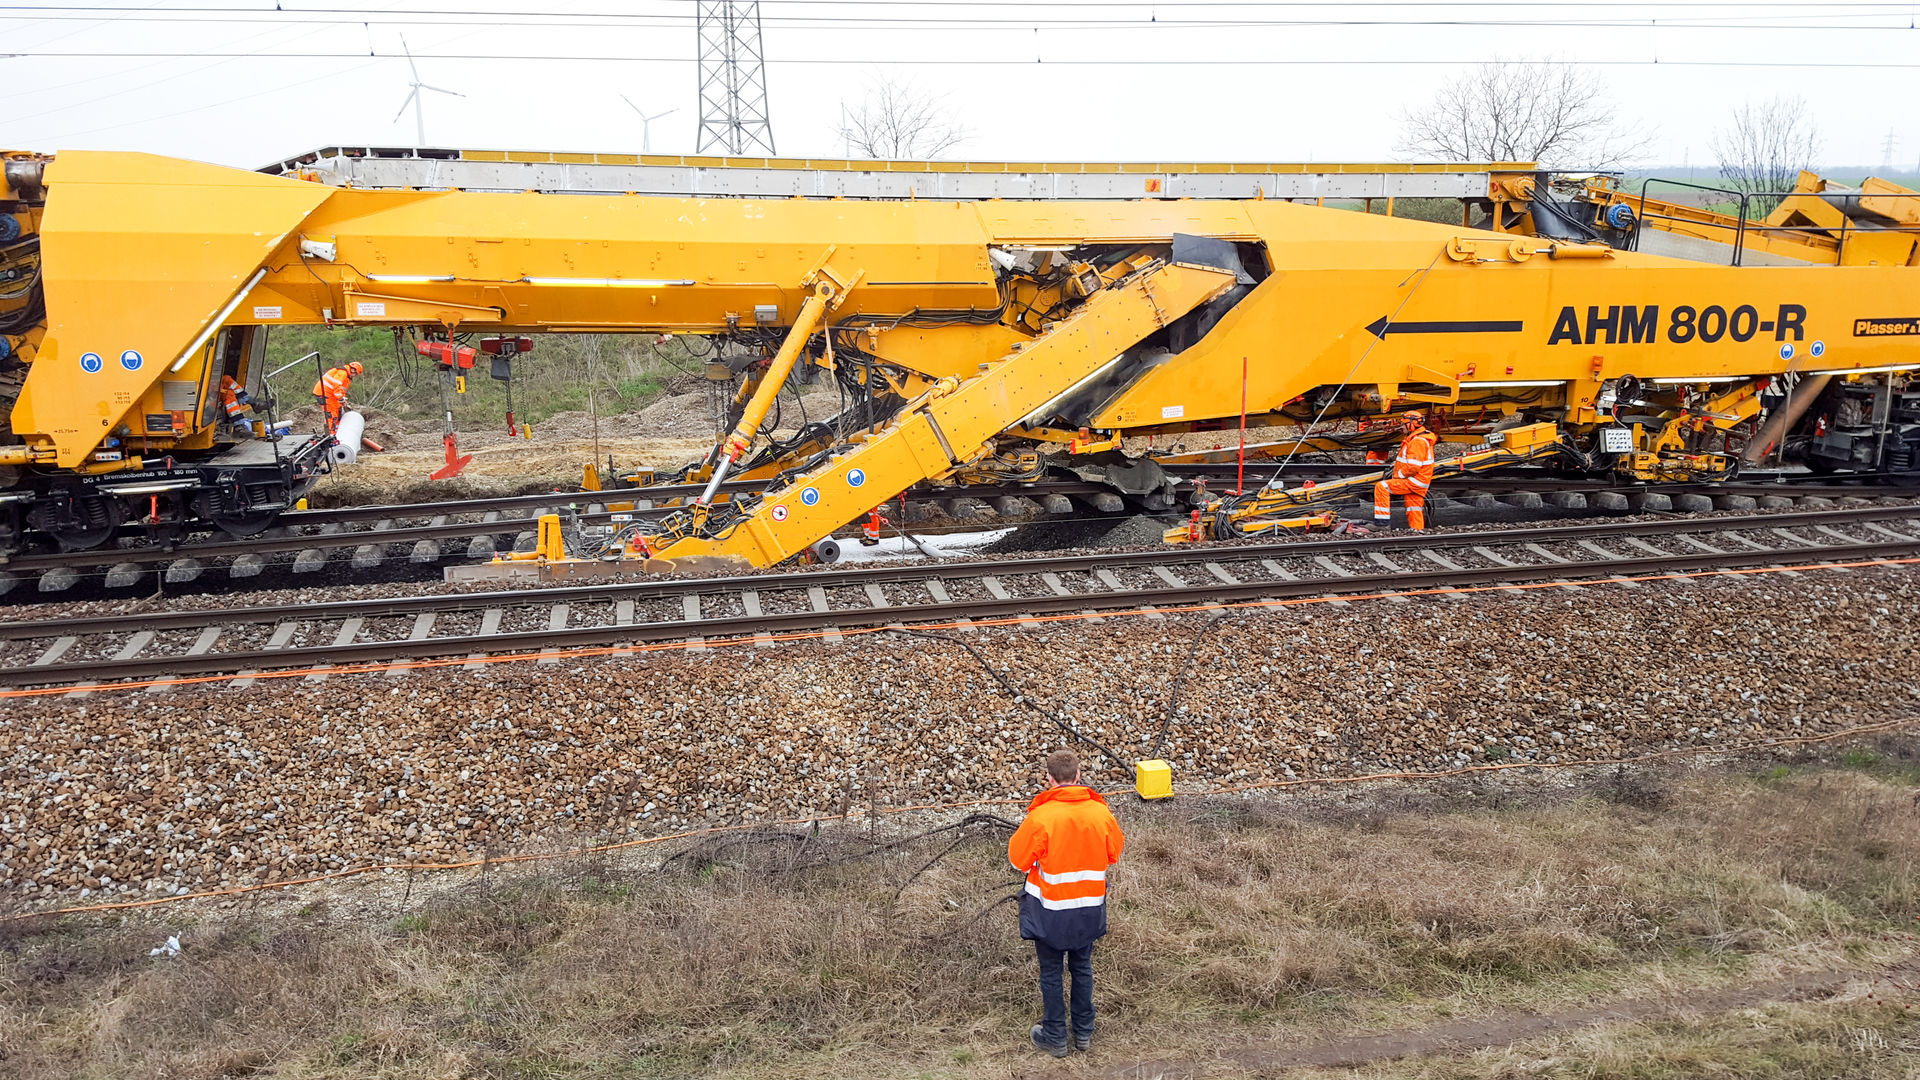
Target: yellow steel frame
1353	314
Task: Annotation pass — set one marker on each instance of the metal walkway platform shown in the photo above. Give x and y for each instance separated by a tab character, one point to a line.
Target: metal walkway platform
659	174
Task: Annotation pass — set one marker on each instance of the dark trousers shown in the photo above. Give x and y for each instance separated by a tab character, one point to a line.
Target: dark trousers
1052	993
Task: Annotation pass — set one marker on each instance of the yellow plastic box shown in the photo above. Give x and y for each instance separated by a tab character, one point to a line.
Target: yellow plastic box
1153	779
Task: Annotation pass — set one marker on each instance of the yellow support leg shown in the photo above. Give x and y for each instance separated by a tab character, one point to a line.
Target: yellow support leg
950	425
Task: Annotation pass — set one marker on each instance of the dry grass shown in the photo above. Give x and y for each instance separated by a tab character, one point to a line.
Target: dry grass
1846	1040
1242	923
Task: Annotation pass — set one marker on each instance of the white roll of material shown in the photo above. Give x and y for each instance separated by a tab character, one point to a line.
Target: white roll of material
347	435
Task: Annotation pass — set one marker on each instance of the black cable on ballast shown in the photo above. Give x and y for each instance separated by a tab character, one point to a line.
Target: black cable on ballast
1180	681
1012	690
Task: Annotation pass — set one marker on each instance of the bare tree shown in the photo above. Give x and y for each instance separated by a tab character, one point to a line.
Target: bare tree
1766	146
1548	112
896	121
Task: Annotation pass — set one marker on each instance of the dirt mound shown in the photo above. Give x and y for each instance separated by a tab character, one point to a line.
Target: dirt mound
1136	531
384	428
503	467
675	416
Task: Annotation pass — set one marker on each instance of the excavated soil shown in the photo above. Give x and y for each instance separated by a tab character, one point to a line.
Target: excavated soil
671	432
508	467
136	793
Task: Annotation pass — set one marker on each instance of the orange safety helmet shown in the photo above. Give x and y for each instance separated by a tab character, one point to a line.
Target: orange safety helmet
1414	416
356	368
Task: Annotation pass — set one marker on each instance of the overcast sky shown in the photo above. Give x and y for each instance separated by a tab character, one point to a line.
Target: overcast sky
239	83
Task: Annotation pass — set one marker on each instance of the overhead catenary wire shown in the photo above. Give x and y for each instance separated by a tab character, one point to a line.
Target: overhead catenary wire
842	24
995	62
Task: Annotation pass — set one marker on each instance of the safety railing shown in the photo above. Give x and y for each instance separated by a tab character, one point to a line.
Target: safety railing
1742	224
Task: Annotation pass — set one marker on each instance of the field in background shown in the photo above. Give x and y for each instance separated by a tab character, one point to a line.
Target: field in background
1250	936
565	373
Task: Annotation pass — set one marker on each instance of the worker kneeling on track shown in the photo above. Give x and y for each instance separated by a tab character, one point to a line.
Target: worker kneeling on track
1065	845
1412	474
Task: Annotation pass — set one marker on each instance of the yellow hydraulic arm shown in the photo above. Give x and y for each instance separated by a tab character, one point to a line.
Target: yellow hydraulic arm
950	423
1273	508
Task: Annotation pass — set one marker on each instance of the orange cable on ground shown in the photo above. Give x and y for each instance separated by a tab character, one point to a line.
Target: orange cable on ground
540	856
1012	620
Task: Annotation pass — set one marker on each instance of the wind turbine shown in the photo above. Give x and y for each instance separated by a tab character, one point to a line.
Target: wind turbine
646	133
413	96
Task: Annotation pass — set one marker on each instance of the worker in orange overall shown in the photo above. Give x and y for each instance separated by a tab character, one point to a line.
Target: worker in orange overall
870	532
331	391
234	401
1064	846
1412	474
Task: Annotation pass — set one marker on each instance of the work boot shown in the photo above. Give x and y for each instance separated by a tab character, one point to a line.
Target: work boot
1083	1042
1059	1049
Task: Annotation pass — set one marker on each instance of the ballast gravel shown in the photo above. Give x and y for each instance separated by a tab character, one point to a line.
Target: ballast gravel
117	794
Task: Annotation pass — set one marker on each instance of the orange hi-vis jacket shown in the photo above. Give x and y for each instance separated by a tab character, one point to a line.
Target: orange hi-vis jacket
1415	463
232	397
333	385
1065	845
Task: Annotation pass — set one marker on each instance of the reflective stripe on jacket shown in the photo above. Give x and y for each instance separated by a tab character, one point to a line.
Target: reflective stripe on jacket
231	396
333	384
1415	463
1065	845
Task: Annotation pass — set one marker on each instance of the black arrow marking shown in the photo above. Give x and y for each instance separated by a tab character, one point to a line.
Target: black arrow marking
1382	326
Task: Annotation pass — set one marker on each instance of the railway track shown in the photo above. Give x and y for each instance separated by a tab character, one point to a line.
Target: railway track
426	534
402	541
317	638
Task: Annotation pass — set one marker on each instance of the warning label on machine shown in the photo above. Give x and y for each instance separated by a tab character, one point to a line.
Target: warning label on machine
1901	327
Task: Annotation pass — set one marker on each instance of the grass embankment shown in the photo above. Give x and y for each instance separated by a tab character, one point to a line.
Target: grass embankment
1249	937
564	373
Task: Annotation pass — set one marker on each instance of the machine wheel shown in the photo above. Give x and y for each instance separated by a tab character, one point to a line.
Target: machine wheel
12	536
89	522
241	526
217	510
172	526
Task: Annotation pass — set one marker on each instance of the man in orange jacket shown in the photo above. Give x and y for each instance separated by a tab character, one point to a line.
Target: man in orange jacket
1412	474
1064	846
234	400
331	391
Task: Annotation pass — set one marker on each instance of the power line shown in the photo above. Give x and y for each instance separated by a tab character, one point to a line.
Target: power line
610	20
15	118
1897	8
952	62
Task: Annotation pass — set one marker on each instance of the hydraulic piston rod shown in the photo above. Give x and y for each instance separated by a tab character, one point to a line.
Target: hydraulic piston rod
824	296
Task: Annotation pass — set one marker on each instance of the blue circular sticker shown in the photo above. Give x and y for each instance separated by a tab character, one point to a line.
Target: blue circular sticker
130	360
91	363
856	477
810	496
1786	351
1818	349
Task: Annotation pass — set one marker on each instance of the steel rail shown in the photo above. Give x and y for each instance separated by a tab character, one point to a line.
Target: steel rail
278	544
261	660
854	577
